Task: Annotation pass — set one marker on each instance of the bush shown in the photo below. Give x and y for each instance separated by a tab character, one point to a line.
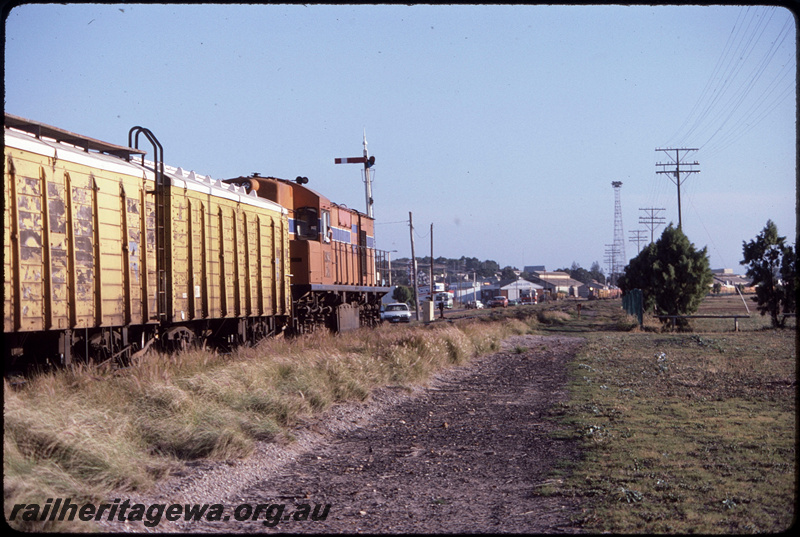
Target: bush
773	267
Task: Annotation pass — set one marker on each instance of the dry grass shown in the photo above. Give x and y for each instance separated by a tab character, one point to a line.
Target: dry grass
554	317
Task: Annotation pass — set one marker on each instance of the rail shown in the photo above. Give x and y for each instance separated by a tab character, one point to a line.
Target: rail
360	265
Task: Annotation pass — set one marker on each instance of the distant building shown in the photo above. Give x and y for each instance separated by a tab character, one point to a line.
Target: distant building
530	269
465	291
729	281
513	289
557	282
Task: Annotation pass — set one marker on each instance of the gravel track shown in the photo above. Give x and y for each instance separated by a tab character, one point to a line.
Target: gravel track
464	454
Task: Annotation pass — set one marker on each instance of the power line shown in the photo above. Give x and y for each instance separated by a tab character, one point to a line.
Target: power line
734	100
608	259
711	78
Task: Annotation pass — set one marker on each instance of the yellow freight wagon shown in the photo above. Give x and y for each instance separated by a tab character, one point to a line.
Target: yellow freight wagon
74	262
230	255
104	254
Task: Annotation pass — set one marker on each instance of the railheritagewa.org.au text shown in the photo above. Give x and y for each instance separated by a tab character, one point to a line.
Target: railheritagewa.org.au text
269	514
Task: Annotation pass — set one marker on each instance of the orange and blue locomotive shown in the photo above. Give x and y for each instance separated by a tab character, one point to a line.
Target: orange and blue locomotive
337	273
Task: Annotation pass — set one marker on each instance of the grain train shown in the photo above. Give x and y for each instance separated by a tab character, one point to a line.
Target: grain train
106	253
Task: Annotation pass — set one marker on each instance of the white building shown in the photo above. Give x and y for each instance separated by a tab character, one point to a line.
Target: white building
558	282
511	289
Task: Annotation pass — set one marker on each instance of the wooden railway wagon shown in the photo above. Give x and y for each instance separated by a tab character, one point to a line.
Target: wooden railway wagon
104	254
337	273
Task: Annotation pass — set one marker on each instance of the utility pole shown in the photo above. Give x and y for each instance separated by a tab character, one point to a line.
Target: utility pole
431	272
636	236
652	220
413	265
676	172
389	254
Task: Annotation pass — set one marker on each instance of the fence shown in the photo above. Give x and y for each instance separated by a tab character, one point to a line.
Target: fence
734	317
632	303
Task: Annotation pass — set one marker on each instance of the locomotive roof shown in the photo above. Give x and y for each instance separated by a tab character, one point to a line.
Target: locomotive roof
295	184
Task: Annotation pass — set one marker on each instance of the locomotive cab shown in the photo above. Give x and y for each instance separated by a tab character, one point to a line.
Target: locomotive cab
330	244
306	223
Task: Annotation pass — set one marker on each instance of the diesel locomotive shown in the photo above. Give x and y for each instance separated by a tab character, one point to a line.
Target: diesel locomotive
335	268
106	253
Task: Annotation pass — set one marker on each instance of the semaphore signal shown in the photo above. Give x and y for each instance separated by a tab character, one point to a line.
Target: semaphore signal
368	162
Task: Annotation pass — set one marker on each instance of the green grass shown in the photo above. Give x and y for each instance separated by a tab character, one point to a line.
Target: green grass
684	433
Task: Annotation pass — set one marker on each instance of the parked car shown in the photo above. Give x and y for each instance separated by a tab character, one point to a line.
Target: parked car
498	302
475	305
397	312
513	302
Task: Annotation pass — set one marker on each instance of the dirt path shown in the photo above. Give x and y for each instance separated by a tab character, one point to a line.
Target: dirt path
464	454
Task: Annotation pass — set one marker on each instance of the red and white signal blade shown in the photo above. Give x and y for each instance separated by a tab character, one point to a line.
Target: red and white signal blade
350	160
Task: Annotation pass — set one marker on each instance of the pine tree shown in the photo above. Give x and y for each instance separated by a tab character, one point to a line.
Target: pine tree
673	275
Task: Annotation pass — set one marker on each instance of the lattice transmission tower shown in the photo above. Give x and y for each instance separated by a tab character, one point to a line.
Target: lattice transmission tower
618	259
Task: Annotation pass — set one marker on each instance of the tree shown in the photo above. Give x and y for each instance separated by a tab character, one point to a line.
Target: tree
674	277
596	273
639	274
403	294
508	273
772	265
488	268
576	272
580	274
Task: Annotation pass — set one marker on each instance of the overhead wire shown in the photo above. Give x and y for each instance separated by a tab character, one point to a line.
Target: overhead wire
710	87
778	90
744	91
734	99
738	56
395	222
690	195
711	78
716	115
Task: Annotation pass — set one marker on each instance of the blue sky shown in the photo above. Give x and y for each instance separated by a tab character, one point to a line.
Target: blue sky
503	126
